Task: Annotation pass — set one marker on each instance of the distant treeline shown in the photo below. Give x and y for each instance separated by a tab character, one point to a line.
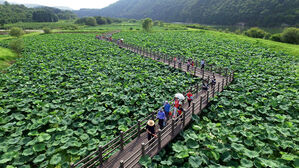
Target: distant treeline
11	13
265	13
97	20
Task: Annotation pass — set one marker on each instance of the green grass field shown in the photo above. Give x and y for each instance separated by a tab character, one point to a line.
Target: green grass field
6	58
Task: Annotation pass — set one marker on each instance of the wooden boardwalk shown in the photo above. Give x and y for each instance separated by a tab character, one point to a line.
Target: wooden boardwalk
129	147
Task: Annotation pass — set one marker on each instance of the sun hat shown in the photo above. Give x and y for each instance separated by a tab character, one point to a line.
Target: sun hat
150	123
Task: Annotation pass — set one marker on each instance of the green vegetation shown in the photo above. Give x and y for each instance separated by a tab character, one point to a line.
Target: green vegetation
147	24
70	92
255	32
254	122
6	58
47	30
19	13
65	25
17	45
290	35
16	32
267	13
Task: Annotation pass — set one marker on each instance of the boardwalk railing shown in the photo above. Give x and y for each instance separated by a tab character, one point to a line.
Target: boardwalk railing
173	127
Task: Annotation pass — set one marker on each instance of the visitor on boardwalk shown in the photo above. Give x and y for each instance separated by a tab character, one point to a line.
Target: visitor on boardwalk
97	36
202	64
180	62
205	86
174	59
180	110
150	129
213	80
175	108
189	98
162	118
167	109
192	64
188	65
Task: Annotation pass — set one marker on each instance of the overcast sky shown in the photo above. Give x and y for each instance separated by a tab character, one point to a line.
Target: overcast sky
74	4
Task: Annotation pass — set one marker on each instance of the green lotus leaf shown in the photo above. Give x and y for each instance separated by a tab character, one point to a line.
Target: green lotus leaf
238	147
55	159
39	158
289	157
246	163
182	155
39	147
251	154
192	144
43	137
84	137
195	161
168	162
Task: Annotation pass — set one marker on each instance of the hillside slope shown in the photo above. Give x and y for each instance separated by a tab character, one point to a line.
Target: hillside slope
224	12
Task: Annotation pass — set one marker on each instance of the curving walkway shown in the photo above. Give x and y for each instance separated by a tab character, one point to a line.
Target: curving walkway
130	146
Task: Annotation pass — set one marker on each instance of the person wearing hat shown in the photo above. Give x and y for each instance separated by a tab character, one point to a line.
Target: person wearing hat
150	129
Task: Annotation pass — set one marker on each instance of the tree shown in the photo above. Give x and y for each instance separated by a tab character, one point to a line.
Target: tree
290	35
91	21
47	30
17	45
255	32
147	24
101	20
16	32
44	16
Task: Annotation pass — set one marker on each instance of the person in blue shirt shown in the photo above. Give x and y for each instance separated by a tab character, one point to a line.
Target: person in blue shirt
161	116
167	109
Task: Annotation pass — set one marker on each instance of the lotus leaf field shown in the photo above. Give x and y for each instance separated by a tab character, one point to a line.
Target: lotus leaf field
70	93
253	123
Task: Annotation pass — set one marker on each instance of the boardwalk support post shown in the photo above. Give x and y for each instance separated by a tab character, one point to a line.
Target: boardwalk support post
159	139
121	140
172	126
203	73
208	79
213	93
121	164
101	155
138	128
208	97
153	115
197	89
195	71
184	118
218	86
143	149
222	84
174	64
193	106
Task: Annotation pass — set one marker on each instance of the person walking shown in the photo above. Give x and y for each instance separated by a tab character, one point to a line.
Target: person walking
150	129
192	64
188	65
202	64
161	116
167	109
176	106
205	86
189	98
213	82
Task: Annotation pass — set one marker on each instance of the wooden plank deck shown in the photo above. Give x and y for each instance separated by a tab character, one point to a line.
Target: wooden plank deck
132	152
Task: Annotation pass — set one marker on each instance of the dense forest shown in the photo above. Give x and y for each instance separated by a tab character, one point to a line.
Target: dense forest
220	12
11	13
86	12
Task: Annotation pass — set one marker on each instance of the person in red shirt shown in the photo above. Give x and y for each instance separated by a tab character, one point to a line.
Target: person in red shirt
176	106
189	98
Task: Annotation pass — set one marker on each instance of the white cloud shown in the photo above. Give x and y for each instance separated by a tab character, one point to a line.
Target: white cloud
75	4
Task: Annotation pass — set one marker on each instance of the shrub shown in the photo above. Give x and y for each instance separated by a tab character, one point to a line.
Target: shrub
255	32
147	24
47	30
16	32
290	35
91	21
276	37
131	28
17	45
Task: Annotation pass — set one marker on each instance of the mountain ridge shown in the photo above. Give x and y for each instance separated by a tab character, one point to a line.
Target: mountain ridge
224	12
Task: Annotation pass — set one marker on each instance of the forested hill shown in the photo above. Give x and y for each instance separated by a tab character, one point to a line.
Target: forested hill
224	12
11	13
